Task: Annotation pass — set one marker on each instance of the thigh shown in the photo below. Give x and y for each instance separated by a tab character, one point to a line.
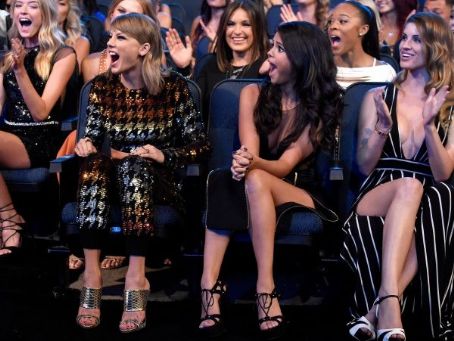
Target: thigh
283	191
377	201
12	152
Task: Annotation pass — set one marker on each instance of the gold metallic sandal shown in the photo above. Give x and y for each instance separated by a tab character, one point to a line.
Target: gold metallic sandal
89	299
135	300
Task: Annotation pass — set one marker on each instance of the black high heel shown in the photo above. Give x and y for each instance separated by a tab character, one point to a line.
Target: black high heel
219	288
13	226
264	303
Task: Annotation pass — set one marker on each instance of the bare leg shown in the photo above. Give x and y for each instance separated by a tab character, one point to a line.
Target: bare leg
213	255
92	279
264	192
12	155
399	206
135	280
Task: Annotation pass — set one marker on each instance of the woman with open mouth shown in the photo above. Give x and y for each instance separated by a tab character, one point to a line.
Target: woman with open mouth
33	77
151	121
352	29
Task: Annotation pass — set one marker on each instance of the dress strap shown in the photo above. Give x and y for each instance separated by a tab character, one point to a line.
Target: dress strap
375	62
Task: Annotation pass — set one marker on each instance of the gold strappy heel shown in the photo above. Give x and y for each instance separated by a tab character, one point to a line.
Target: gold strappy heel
135	300
89	299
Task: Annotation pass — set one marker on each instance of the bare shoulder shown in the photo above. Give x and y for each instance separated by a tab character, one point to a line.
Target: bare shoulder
250	91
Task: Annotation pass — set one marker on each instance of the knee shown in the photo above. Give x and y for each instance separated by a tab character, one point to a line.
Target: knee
255	181
410	188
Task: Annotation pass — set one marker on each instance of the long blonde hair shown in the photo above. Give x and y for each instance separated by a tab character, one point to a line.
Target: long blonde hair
438	44
145	30
50	38
72	26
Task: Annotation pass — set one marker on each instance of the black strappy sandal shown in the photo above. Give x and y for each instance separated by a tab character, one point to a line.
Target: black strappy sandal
11	226
264	302
219	288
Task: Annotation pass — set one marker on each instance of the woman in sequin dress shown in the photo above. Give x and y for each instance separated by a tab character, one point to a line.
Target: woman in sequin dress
33	77
151	122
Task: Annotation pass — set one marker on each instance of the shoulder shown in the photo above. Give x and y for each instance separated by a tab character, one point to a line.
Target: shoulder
250	92
64	51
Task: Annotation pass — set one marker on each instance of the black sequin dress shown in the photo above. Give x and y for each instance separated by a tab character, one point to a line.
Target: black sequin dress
130	119
41	139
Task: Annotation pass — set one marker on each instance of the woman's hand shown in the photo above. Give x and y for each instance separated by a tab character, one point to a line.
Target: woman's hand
19	53
433	104
180	54
242	161
287	14
208	31
384	120
85	147
149	152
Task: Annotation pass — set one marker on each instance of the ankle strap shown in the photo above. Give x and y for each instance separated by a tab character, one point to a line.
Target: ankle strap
379	299
6	209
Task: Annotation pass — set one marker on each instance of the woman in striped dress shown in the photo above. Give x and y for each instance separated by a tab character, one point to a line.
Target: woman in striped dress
399	238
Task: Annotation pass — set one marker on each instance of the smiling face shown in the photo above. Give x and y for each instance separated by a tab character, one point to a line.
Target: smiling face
27	17
63	10
412	49
345	29
125	52
238	33
385	6
281	70
125	7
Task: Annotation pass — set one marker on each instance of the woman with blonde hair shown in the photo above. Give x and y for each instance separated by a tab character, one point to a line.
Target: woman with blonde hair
97	63
399	238
69	22
33	78
151	121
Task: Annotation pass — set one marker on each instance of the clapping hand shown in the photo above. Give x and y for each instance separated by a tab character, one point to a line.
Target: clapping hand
241	163
19	53
384	121
287	14
433	104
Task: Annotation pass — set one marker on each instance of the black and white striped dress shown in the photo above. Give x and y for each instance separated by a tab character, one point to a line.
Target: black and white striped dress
431	292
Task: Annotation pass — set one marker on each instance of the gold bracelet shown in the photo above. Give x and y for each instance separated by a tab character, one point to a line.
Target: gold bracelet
381	132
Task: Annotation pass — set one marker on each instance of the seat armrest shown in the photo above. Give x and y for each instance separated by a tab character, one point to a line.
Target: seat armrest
58	165
69	124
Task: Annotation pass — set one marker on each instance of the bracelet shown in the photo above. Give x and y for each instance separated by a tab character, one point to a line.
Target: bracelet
380	131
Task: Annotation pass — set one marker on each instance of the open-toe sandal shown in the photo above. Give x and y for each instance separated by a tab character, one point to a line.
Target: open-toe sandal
388	334
9	224
134	301
264	303
357	326
112	262
217	328
89	299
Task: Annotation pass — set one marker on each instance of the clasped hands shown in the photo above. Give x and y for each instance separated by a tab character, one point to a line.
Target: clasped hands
85	147
242	162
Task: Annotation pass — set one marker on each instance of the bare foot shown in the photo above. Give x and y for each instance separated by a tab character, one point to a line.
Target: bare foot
268	305
210	303
112	262
10	231
389	315
75	263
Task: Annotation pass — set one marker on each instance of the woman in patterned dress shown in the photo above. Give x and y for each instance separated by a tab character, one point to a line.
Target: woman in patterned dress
151	122
399	237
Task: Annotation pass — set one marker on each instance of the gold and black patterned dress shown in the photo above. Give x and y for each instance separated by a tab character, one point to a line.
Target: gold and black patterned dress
130	119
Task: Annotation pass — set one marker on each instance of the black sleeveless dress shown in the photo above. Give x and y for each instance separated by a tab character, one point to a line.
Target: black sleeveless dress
431	292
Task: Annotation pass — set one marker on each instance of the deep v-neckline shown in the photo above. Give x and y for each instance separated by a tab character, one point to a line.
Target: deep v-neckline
396	129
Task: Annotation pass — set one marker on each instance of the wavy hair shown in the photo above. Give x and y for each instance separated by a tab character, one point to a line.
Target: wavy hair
147	9
321	13
309	52
259	46
145	30
370	41
50	38
72	26
438	43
